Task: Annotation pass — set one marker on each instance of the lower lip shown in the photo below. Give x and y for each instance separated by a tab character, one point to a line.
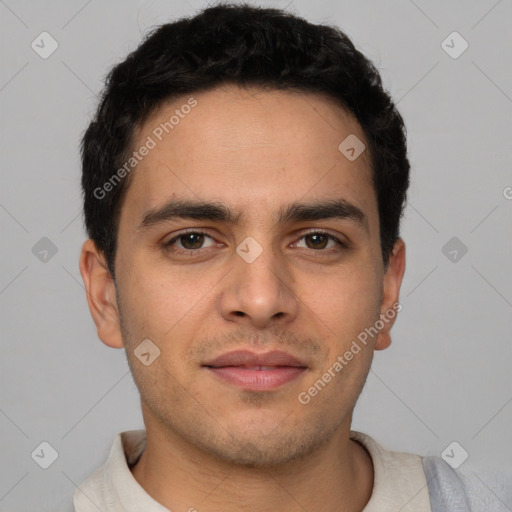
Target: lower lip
257	380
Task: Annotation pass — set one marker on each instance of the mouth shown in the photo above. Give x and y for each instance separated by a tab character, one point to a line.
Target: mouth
256	372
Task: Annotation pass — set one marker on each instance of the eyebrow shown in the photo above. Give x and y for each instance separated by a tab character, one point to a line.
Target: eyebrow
219	212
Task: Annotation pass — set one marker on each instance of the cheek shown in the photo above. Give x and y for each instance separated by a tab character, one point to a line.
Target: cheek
346	310
344	300
156	309
163	303
146	284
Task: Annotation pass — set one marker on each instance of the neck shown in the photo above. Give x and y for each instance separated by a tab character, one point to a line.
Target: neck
339	475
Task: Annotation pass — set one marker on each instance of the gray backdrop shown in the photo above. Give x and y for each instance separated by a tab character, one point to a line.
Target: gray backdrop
447	376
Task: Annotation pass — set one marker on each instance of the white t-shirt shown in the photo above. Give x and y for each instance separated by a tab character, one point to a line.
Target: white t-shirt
399	480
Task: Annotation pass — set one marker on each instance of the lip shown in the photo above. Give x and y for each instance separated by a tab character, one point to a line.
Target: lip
256	371
249	358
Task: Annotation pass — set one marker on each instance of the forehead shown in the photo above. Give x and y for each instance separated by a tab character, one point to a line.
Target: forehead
250	149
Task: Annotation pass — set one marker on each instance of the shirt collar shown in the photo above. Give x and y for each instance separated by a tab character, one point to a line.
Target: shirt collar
112	487
399	479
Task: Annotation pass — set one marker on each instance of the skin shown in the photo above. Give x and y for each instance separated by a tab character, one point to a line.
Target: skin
212	445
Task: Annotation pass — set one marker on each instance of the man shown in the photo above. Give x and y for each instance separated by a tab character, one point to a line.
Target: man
244	179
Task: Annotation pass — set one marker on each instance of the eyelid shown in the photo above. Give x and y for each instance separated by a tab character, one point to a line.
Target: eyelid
338	236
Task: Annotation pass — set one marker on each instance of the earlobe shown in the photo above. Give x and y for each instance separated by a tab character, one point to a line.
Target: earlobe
390	305
383	340
101	294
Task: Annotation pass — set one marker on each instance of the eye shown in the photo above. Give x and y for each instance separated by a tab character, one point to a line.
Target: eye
319	240
190	241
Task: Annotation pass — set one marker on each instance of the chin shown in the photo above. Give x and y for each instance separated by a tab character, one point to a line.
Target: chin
260	446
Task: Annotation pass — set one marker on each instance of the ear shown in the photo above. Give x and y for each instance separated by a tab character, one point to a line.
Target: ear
390	294
101	294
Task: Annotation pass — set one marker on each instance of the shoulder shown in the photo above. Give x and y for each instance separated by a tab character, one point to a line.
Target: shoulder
447	487
465	489
471	487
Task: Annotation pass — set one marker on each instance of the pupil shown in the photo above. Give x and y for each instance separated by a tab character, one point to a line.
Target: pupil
312	237
189	238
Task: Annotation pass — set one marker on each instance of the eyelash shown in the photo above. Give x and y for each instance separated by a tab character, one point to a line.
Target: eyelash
189	252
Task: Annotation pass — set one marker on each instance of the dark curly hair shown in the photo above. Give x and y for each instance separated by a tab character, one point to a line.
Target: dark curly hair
247	46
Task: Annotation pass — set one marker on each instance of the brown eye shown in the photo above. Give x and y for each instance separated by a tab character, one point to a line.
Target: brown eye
189	242
192	240
318	240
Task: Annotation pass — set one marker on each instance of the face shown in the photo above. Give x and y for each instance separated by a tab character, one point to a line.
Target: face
291	286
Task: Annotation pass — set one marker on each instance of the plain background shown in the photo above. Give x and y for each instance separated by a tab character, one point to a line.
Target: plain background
447	375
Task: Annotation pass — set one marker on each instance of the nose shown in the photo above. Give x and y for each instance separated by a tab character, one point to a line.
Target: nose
259	293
